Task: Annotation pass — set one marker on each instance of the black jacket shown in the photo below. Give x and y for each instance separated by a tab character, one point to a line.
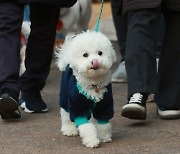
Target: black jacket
61	3
129	5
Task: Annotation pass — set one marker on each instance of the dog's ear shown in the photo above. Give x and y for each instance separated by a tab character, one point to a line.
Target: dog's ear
61	61
114	58
63	52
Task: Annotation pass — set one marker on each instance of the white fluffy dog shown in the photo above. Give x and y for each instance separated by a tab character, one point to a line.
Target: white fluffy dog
76	18
86	60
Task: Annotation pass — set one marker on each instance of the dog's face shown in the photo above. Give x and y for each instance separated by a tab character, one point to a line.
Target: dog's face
91	54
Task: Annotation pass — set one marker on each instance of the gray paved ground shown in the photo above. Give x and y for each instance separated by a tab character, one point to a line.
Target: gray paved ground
40	133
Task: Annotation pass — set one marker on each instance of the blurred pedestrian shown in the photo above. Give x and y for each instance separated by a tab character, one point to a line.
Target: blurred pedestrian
44	16
120	23
143	19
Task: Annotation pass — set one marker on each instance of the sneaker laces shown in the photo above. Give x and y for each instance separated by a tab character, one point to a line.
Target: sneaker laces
136	98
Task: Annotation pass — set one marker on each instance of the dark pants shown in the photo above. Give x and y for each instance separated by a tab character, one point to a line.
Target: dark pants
140	57
39	48
120	24
168	95
140	53
160	35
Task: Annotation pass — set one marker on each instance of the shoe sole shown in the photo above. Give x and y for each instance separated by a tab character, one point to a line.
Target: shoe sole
169	114
134	111
25	109
8	108
118	80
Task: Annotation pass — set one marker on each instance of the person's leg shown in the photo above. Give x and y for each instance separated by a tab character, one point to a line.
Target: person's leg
160	35
168	95
160	38
39	54
140	51
140	60
120	23
11	16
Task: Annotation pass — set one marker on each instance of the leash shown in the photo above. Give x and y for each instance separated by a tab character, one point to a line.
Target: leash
99	16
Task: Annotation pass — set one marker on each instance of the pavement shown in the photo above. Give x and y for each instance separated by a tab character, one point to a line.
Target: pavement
40	133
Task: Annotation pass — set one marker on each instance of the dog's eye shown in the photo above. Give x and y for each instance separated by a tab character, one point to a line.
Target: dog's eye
85	55
100	53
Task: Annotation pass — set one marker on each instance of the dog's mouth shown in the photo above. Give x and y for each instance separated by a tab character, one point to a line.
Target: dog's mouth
96	72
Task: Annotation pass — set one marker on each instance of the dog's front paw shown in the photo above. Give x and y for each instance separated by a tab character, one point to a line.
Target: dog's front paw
104	132
106	139
68	127
88	135
91	142
71	130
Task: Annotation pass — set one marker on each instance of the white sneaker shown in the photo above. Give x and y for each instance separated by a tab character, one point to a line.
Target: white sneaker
169	114
120	74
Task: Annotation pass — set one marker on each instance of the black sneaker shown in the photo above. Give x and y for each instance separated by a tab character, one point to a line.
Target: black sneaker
31	102
136	107
9	105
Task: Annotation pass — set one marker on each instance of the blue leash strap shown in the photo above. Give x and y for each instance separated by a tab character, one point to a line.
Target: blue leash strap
99	17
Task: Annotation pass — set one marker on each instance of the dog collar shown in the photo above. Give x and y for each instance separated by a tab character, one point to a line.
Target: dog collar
80	89
96	88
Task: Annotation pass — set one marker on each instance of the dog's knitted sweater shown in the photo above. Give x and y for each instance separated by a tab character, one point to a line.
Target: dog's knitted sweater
79	106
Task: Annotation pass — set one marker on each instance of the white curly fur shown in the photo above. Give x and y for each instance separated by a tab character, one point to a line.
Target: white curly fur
90	41
72	53
88	135
76	18
67	126
104	132
62	53
91	134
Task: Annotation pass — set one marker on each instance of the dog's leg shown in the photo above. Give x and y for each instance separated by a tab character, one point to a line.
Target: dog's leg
68	128
104	132
23	55
88	134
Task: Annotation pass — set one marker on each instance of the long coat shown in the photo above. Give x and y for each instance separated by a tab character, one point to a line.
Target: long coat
129	5
61	3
